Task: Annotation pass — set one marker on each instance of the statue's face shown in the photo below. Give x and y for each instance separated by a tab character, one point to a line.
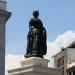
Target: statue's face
35	14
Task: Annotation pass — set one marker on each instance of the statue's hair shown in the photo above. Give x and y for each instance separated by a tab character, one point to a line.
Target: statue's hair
36	13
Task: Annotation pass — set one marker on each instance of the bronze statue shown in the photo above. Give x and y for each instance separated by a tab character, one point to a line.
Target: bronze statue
36	39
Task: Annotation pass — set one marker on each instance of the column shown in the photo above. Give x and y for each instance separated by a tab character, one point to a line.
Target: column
4	16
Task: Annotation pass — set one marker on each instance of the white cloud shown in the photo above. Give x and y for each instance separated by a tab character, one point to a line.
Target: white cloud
55	46
12	61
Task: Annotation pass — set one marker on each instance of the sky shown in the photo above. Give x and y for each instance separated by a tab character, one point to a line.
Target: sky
58	17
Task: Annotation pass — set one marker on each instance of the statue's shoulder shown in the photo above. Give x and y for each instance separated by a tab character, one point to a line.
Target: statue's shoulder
40	21
32	19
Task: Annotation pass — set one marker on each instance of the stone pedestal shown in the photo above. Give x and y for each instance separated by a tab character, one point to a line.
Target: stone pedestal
34	66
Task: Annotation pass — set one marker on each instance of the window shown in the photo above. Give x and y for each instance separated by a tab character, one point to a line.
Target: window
69	73
73	72
60	62
62	70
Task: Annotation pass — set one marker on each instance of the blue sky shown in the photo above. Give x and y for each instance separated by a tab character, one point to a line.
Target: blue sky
58	16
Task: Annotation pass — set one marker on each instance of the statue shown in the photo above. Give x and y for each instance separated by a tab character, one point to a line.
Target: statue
36	39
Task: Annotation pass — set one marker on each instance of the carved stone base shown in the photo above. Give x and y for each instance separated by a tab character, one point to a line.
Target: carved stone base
34	66
35	61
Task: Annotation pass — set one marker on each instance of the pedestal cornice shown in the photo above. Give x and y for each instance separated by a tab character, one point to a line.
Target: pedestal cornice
4	14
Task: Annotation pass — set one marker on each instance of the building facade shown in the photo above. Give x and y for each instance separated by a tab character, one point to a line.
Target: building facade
71	69
64	58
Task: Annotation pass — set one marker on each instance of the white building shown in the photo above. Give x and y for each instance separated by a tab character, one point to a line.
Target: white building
65	60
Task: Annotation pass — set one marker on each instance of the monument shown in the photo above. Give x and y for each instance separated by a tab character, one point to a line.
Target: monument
36	39
34	63
4	16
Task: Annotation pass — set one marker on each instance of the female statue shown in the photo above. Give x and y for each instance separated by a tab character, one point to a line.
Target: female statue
36	39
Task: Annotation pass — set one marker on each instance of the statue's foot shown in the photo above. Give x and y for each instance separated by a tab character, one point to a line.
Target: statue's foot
30	55
27	55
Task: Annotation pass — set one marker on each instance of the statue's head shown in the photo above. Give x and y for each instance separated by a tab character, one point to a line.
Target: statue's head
35	13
